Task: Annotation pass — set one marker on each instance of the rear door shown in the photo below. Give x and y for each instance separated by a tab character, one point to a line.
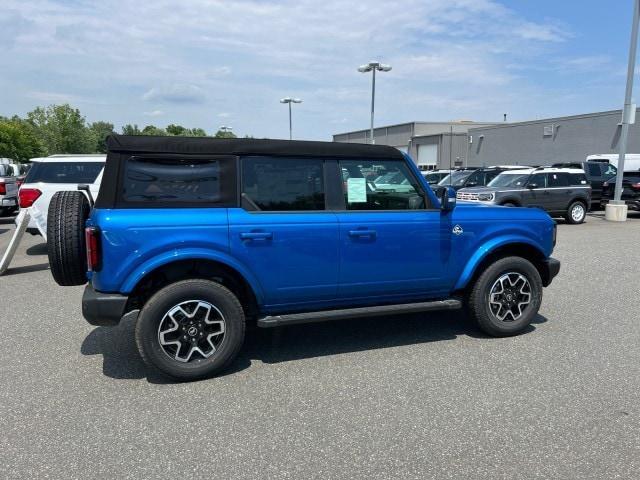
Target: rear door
284	233
561	191
390	237
595	174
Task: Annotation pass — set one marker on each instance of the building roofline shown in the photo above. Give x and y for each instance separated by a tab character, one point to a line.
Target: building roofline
455	122
550	119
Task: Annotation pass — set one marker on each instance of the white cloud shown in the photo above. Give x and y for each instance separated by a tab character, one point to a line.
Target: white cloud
240	57
154	113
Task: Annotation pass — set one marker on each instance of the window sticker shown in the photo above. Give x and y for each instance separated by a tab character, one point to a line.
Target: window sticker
357	190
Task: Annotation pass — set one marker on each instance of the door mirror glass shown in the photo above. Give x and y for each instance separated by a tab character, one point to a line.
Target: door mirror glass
471	184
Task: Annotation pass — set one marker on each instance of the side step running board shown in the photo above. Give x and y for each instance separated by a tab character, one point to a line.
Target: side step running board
327	315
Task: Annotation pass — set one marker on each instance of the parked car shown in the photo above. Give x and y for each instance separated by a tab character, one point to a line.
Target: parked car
597	173
53	174
630	190
559	191
474	177
434	176
8	191
204	235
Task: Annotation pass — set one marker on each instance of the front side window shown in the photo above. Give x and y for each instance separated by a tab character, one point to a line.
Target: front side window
455	179
172	180
539	179
284	184
380	185
516	180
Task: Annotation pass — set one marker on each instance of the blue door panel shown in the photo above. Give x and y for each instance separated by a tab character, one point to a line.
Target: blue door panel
391	253
295	255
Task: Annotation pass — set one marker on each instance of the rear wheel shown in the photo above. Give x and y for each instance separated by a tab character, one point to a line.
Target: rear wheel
191	329
68	212
506	297
576	213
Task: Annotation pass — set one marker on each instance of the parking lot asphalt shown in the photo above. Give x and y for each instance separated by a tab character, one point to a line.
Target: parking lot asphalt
418	396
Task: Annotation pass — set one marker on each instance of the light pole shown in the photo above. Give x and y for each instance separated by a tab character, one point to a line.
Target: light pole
289	101
225	129
372	67
616	210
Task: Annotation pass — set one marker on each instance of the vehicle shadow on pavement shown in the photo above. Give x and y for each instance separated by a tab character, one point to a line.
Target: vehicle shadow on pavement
122	361
39	249
38	267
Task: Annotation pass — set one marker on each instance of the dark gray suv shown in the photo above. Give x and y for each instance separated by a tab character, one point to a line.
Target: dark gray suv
562	192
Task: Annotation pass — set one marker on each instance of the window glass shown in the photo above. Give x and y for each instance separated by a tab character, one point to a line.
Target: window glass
455	179
608	170
171	180
476	177
516	180
283	184
559	179
380	185
540	179
578	179
64	172
491	175
594	169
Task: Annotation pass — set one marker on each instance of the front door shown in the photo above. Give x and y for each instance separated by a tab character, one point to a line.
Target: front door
392	244
537	193
283	233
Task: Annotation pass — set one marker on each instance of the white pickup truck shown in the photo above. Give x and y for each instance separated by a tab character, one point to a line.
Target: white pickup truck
53	174
8	191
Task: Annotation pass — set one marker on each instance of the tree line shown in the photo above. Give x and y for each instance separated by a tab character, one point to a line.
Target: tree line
62	129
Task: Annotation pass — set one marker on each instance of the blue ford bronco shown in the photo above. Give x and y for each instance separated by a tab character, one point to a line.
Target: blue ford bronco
203	237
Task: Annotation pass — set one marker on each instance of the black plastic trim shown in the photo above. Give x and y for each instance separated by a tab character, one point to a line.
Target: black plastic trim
551	268
103	309
328	315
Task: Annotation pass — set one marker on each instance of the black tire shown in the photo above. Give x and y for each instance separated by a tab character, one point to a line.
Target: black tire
579	207
155	313
68	212
484	313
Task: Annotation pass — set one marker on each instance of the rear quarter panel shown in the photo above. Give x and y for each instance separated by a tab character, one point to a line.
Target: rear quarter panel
136	241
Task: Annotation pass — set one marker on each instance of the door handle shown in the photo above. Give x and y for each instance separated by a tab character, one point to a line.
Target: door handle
362	233
256	236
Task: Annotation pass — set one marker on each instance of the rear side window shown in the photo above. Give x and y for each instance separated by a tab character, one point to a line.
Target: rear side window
283	184
559	179
173	180
578	179
64	172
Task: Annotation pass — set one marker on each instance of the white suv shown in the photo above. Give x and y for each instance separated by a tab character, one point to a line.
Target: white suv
54	174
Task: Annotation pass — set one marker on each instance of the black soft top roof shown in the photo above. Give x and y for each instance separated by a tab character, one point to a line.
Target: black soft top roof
246	146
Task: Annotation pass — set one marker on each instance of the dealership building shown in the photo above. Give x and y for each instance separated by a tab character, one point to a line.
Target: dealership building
537	142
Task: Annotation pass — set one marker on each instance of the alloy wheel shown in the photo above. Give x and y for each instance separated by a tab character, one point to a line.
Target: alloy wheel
192	330
510	296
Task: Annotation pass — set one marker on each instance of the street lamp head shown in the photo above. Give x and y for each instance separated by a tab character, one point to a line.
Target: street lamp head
285	100
296	100
381	67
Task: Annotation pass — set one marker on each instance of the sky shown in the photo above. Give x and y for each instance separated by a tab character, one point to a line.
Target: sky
207	63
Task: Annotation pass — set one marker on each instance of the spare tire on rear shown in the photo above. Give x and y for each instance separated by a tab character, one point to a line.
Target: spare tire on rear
68	212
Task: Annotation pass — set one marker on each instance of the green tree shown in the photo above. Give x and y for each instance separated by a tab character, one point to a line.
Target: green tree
153	130
18	141
100	131
198	132
129	129
177	130
62	129
225	134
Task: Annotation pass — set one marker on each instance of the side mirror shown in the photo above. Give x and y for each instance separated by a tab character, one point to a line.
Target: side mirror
531	186
472	184
447	197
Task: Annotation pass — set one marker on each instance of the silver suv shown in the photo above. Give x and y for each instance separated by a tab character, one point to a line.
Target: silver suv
562	192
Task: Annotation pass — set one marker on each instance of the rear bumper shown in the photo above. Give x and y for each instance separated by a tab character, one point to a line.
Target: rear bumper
550	268
103	309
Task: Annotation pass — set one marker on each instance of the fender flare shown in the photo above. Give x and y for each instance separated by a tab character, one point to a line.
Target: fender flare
487	249
176	255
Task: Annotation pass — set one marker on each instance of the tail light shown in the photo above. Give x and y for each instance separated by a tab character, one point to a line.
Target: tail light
92	238
27	196
635	186
3	189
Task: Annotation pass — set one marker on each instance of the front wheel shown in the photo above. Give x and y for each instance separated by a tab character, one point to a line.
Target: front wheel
506	297
191	329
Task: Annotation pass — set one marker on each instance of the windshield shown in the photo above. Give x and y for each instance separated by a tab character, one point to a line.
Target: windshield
394	178
509	180
64	172
456	179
